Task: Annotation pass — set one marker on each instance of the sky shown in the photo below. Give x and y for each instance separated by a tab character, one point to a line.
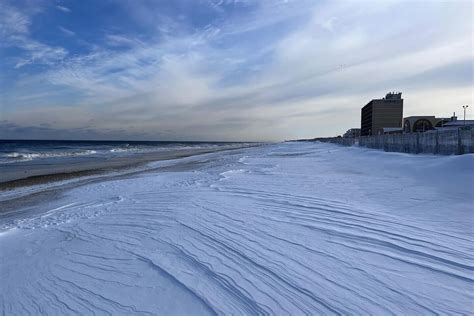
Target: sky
225	70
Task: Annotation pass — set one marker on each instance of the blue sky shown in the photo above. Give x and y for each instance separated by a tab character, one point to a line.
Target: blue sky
225	69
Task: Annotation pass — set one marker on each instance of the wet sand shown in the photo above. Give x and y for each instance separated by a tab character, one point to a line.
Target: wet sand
26	205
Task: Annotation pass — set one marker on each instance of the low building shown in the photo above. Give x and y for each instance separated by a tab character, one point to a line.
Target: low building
393	130
459	124
382	113
351	133
423	123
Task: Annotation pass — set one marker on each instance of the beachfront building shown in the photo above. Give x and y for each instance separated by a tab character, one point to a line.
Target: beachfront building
352	132
468	124
382	113
416	124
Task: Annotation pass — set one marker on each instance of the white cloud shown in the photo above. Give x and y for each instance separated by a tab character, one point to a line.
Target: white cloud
38	53
12	22
121	40
63	9
14	32
66	31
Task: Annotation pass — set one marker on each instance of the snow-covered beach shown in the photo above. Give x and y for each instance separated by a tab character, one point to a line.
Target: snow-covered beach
287	228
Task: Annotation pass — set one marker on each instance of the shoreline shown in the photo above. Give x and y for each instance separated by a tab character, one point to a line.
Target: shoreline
21	205
101	169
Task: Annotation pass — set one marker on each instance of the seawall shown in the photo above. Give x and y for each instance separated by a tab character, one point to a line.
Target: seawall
438	142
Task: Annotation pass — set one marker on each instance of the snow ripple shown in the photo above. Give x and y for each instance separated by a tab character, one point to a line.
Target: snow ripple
273	230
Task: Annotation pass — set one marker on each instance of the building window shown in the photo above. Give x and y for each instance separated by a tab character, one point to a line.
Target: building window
407	126
422	126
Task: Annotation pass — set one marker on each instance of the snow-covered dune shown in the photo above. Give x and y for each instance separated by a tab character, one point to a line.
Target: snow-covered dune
288	228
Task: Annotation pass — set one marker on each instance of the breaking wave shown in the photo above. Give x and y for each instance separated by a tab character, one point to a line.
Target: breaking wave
16	156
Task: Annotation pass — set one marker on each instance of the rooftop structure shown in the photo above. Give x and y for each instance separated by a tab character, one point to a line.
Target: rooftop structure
423	123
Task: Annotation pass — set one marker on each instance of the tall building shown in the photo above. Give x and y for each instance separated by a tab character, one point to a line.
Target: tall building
382	113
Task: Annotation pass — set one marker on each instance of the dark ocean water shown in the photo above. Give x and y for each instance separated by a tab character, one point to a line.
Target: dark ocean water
21	151
23	158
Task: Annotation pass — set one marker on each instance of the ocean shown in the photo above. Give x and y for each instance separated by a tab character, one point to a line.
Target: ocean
21	159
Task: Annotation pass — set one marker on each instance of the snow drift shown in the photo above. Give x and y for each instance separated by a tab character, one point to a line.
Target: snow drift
284	229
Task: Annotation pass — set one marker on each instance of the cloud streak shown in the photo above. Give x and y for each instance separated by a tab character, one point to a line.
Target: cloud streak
66	31
63	9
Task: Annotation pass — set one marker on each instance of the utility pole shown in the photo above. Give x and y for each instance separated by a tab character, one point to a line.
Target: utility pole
465	107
